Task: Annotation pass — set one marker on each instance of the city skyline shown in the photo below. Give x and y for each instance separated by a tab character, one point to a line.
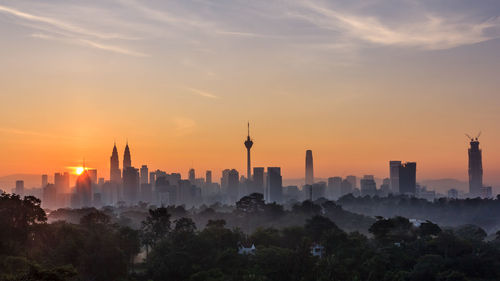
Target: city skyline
358	84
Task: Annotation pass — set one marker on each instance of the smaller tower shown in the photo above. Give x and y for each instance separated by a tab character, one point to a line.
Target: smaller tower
248	145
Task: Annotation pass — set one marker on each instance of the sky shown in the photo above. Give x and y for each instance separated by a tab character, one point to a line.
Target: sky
358	82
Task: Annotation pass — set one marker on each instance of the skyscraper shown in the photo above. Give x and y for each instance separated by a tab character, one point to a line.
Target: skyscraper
475	168
353	180
45	180
258	180
233	183
19	188
192	176
334	188
394	175
274	185
368	185
248	145
127	162
407	178
114	167
144	174
309	168
83	191
93	175
130	184
61	182
208	177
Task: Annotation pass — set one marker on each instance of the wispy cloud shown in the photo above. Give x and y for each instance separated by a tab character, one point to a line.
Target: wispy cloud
203	93
60	24
11	131
70	33
433	32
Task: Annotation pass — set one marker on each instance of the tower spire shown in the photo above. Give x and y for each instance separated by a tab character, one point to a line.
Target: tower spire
248	144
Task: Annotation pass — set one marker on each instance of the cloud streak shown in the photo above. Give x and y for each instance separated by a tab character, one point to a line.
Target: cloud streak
433	32
203	93
70	33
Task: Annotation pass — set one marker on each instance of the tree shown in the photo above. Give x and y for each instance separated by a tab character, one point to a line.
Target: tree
250	204
155	227
428	228
471	232
18	219
396	229
319	225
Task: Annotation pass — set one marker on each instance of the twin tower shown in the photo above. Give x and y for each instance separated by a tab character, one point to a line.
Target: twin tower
115	174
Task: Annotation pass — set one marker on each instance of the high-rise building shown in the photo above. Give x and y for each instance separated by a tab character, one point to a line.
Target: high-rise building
274	185
19	188
248	145
144	174
152	179
130	185
208	177
258	180
334	188
353	180
309	168
408	178
346	187
83	191
114	167
318	190
61	182
127	160
233	183
224	180
93	175
368	185
45	180
192	176
394	176
475	168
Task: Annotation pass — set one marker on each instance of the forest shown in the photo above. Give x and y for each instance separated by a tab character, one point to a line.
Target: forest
305	241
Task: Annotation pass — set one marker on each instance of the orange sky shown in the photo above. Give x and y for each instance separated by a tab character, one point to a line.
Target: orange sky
181	88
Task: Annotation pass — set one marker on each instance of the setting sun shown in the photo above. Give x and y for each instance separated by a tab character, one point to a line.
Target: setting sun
79	170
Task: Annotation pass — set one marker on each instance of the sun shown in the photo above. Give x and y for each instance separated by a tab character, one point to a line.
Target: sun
79	170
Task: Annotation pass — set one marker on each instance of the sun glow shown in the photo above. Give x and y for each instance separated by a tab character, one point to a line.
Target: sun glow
79	170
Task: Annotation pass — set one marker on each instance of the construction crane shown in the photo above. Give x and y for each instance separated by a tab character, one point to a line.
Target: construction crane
472	138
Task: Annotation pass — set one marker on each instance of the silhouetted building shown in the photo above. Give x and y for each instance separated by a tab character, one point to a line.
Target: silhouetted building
49	196
475	169
45	180
318	190
83	191
368	185
248	145
152	179
258	180
309	167
274	185
353	180
19	188
61	182
346	187
394	175
144	174
114	167
93	175
233	182
127	160
334	188
130	185
208	177
385	188
407	178
192	176
486	192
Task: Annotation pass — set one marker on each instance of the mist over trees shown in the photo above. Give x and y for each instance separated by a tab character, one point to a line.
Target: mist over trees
444	211
250	241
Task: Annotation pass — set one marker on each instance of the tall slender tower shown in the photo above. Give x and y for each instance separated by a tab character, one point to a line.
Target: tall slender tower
248	145
114	167
126	158
475	168
309	168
